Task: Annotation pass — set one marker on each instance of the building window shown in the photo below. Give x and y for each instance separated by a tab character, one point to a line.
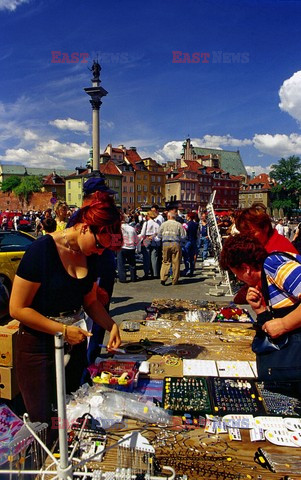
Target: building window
79	184
69	197
69	184
153	178
139	198
153	199
131	200
159	188
131	188
138	176
132	179
145	177
124	199
145	188
116	183
159	179
139	187
159	199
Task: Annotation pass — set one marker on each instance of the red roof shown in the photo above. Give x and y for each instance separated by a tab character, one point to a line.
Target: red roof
49	180
133	156
117	150
109	168
193	165
262	179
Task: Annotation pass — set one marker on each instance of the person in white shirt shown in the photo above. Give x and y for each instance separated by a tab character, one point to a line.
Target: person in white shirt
16	221
279	227
149	246
127	252
159	220
159	217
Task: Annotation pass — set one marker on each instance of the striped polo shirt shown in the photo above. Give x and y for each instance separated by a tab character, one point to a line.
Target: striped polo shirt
284	279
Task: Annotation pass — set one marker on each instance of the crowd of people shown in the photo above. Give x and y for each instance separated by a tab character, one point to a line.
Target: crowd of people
74	261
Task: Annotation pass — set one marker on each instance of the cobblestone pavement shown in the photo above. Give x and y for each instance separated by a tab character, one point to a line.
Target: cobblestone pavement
129	299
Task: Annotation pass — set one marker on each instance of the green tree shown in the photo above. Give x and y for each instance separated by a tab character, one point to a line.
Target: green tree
27	186
10	183
287	173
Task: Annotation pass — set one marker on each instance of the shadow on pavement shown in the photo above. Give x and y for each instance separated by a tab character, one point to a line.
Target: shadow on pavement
133	307
120	299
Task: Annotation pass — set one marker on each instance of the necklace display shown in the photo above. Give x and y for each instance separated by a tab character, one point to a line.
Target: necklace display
67	244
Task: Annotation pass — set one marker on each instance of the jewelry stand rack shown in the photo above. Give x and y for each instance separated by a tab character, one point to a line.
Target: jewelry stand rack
64	468
217	246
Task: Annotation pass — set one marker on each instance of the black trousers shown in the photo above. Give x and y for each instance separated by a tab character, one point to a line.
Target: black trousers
35	364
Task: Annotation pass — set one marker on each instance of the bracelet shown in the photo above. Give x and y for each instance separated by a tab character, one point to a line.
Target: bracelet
64	331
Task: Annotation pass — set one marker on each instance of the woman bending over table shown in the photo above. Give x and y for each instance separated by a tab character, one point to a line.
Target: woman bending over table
55	280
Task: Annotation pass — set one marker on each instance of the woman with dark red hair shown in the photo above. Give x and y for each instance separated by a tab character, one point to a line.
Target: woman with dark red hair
56	279
256	222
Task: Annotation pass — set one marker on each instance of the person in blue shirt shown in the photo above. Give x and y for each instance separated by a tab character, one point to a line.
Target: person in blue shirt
190	248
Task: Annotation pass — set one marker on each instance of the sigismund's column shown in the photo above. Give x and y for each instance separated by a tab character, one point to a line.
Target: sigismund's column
96	93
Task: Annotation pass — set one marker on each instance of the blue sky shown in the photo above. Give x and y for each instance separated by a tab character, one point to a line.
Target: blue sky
247	96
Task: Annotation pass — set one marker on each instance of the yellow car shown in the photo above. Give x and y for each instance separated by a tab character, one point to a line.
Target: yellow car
12	247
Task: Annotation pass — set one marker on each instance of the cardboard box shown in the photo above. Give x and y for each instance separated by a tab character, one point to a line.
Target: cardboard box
8	383
8	335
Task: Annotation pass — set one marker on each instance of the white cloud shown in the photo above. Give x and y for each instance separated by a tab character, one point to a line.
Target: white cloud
30	135
51	153
257	169
65	150
290	96
172	150
11	5
278	145
216	141
71	124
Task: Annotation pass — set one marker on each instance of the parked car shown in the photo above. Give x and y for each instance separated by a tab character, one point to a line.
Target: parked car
13	244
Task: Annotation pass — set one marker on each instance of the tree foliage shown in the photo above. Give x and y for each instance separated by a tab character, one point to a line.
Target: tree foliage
27	186
287	173
10	183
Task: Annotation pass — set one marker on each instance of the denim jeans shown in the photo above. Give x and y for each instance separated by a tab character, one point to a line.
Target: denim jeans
204	243
189	251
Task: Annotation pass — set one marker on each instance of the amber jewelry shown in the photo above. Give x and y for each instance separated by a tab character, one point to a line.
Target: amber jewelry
67	244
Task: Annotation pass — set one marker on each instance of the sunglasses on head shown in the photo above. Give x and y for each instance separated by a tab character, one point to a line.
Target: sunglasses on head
98	244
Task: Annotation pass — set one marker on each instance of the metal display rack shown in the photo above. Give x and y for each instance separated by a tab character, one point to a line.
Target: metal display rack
64	467
216	242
